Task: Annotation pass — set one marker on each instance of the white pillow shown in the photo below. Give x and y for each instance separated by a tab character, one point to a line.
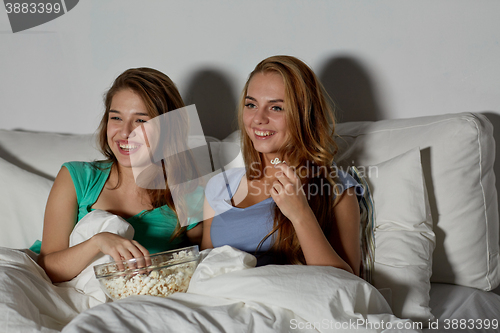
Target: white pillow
23	196
458	153
404	240
44	153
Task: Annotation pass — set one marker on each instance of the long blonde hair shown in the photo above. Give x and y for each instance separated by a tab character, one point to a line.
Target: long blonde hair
309	148
160	95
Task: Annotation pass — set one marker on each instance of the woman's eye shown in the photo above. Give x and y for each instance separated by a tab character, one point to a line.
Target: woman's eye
114	118
250	105
277	108
141	121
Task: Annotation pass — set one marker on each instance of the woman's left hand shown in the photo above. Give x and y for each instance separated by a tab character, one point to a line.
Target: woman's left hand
288	193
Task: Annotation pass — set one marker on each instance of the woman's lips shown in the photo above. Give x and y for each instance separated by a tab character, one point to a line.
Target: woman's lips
127	148
263	134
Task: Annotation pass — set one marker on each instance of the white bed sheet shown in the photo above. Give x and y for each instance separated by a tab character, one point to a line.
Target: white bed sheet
454	305
226	295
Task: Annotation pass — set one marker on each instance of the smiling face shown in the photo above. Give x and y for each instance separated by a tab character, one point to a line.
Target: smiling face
127	112
264	115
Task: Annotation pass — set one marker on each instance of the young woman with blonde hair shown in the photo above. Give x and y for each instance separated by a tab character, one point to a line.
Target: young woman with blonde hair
290	204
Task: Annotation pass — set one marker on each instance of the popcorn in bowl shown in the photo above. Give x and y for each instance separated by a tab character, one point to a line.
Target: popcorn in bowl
160	274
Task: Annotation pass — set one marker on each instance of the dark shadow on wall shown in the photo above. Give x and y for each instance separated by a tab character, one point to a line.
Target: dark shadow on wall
351	89
211	91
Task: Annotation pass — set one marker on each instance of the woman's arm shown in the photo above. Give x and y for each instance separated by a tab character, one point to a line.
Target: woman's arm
208	215
344	237
59	220
194	235
60	262
316	247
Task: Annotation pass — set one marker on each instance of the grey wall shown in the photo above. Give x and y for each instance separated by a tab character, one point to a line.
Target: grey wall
378	59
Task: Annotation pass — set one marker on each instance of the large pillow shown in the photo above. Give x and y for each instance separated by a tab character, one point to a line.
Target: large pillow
23	196
458	152
404	240
44	153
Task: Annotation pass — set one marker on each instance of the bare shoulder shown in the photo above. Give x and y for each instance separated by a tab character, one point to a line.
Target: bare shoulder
347	202
64	178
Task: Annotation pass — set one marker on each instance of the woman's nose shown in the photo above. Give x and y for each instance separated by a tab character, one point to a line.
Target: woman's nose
260	117
127	130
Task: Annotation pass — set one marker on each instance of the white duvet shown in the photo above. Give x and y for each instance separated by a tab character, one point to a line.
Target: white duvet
226	294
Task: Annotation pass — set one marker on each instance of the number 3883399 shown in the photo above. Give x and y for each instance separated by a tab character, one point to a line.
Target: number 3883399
32	8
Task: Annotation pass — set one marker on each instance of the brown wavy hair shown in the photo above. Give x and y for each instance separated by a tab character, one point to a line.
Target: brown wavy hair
309	148
160	95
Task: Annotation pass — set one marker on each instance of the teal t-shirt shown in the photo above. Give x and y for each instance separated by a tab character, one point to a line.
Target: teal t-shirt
153	229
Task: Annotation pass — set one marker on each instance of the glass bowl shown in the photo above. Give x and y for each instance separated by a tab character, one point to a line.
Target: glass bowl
160	274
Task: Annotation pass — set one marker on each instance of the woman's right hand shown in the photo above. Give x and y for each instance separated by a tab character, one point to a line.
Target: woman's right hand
118	247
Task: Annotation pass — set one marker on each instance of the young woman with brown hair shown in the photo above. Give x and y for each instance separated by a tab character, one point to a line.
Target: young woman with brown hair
136	96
